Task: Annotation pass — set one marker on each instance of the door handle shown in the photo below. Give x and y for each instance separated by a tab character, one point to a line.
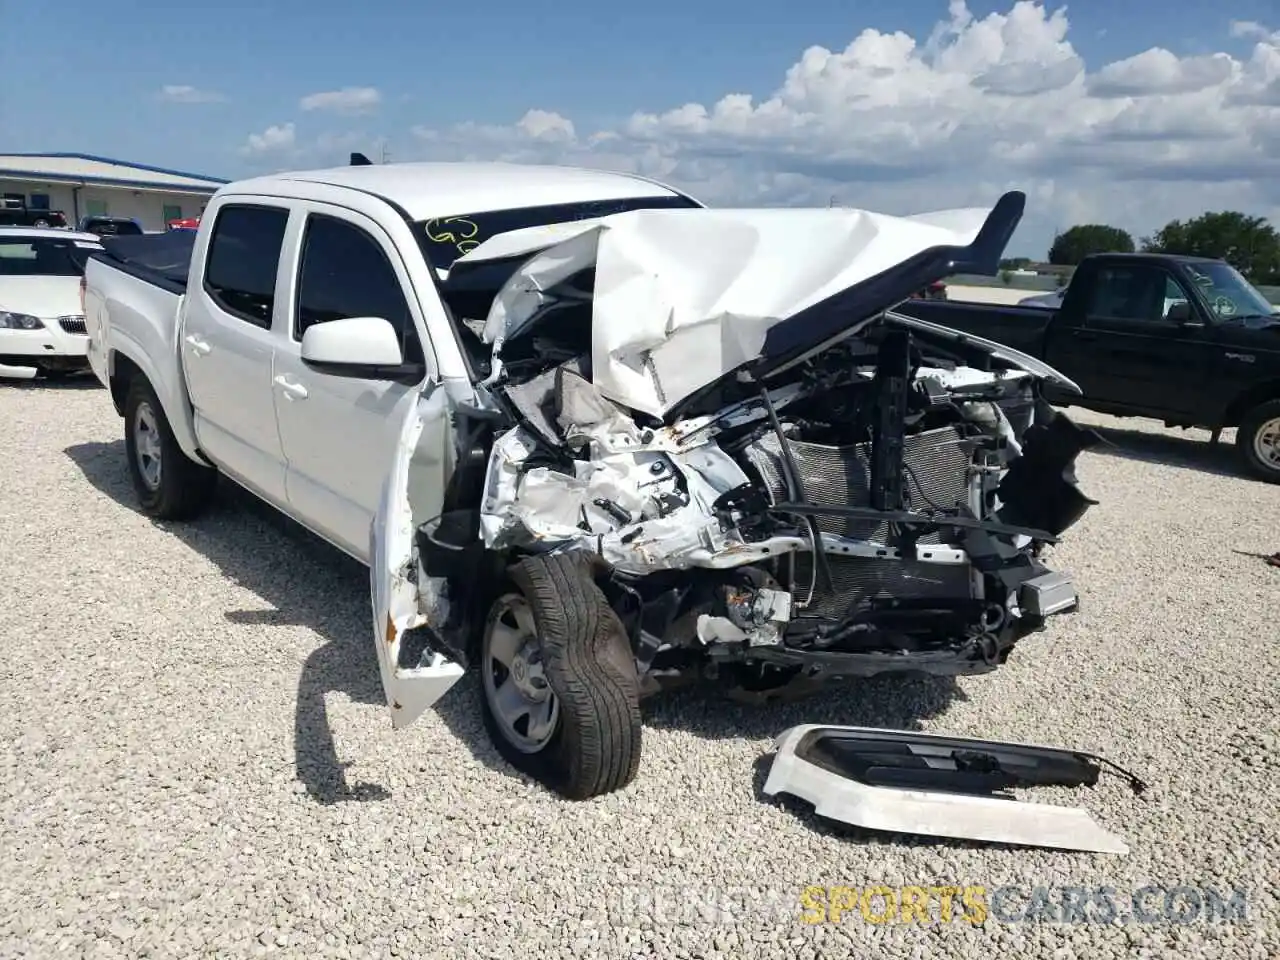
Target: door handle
292	391
198	346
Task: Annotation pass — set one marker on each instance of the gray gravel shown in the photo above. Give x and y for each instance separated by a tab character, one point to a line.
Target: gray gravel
196	760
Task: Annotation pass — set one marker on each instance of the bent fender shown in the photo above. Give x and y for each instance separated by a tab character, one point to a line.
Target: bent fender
410	688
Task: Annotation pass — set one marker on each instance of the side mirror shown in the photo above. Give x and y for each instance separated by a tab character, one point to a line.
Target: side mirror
1181	314
364	348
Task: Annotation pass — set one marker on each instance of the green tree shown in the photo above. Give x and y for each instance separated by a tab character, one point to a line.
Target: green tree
1073	245
1250	244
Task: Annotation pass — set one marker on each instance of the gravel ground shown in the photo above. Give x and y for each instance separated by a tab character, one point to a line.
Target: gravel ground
197	761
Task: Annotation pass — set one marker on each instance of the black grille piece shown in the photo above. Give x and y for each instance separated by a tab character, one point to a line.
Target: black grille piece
73	325
858	579
893	380
841	476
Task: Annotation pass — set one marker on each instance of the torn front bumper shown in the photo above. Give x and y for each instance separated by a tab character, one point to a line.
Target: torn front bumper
924	784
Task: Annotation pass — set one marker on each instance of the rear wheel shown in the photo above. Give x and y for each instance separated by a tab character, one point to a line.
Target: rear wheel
170	485
1258	440
560	692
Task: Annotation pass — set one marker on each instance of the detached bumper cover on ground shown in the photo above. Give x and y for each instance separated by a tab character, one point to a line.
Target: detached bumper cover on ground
918	783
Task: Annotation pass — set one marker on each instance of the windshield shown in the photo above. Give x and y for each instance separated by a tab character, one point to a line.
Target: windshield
38	257
1227	292
447	238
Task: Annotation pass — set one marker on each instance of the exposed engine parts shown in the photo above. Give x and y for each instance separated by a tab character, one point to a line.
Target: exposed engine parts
881	507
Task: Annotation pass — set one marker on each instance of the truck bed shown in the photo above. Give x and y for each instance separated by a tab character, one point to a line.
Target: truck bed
133	295
162	259
1022	328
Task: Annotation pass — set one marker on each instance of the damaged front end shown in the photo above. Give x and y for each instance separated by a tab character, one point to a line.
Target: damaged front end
810	493
875	515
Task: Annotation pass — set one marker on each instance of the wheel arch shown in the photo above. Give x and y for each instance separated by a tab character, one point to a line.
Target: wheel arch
1250	398
124	366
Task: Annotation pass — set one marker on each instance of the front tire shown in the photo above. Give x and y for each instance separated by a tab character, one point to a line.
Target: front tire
170	485
1258	440
560	692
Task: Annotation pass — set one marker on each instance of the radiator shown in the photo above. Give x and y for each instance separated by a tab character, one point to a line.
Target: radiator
839	476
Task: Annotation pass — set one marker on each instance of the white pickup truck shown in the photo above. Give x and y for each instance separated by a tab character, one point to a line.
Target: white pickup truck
597	437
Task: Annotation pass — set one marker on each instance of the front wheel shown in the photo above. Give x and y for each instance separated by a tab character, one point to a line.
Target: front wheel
560	693
1258	440
170	485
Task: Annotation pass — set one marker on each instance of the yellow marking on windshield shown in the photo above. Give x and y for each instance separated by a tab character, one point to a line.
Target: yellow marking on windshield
458	231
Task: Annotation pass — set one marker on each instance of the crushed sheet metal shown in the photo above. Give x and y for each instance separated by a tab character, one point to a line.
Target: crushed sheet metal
543	505
684	297
526	240
633	470
932	813
519	299
409	690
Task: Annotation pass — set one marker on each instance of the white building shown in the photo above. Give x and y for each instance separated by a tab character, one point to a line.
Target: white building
82	185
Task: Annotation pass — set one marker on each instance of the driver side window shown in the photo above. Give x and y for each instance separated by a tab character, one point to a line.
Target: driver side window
345	273
1134	292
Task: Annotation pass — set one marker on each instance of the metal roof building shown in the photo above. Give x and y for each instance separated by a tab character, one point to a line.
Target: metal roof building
81	184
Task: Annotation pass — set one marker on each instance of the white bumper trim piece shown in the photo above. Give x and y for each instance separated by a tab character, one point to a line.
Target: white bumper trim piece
932	813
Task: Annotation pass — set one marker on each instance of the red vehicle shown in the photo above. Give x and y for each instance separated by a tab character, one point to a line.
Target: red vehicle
187	223
934	291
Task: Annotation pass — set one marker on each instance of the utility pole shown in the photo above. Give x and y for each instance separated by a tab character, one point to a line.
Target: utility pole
386	153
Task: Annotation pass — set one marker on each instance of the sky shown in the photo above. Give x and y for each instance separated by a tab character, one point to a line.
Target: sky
1131	114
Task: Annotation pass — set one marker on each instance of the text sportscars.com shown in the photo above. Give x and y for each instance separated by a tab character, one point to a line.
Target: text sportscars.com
972	904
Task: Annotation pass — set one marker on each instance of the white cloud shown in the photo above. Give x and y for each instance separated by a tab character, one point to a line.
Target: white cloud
977	106
278	138
1159	71
182	93
1251	29
545	125
348	100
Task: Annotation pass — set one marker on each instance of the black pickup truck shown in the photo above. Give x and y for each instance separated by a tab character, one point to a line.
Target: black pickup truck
15	213
1185	340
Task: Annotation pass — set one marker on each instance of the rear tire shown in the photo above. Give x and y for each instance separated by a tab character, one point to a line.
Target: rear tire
1258	440
581	652
170	485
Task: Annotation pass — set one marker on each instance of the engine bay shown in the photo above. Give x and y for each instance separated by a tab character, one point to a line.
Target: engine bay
853	515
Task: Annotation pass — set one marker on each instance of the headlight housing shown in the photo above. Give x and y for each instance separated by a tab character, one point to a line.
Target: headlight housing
19	321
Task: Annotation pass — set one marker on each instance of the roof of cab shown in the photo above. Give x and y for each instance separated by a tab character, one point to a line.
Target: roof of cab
438	189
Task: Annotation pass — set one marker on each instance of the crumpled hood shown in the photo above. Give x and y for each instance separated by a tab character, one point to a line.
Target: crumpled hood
43	297
683	298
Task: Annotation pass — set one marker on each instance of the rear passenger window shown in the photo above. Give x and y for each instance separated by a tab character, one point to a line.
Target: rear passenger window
345	273
240	272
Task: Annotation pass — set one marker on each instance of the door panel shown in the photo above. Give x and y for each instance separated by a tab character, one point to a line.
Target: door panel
339	439
228	348
1129	352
